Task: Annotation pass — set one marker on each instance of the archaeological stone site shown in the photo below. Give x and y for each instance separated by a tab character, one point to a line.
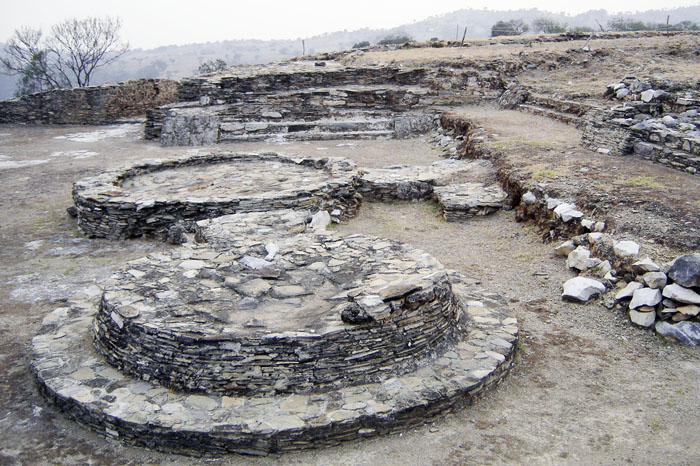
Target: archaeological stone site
480	252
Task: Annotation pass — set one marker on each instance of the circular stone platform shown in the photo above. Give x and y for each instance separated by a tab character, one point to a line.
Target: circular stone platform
286	314
148	197
72	374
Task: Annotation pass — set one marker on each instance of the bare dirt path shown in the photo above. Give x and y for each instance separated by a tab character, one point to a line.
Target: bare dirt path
587	387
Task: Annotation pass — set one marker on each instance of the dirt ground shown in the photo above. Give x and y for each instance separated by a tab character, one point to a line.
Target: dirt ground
587	387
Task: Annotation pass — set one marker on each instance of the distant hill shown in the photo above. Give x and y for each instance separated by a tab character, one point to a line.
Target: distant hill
177	61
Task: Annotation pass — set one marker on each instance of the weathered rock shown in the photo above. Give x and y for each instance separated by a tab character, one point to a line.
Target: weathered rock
529	198
685	270
320	220
578	258
354	314
565	248
681	294
691	310
567	212
655	279
643	319
594	237
602	269
255	262
628	291
645	297
647	96
646	265
582	289
626	249
687	333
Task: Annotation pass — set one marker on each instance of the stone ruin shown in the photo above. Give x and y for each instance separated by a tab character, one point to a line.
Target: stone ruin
263	332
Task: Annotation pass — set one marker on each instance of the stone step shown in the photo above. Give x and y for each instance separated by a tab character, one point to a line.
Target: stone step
560	105
232	128
460	202
567	118
72	375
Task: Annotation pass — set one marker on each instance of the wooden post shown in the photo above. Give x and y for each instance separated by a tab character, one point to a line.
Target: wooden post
303	48
585	47
600	26
457	35
668	26
463	36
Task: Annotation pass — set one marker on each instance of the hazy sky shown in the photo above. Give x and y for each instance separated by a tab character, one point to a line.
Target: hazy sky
152	23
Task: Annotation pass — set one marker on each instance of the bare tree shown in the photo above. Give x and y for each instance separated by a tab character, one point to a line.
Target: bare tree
81	46
67	57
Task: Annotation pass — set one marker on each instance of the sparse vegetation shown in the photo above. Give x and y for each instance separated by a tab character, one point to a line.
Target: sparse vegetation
395	39
66	57
514	27
644	181
548	26
361	45
624	25
212	66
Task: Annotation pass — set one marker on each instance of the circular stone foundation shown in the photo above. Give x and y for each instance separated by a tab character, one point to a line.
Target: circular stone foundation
278	313
149	197
74	377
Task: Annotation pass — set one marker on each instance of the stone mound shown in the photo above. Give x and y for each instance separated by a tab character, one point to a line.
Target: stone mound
270	341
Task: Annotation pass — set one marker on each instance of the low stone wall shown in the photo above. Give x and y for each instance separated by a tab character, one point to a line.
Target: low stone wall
108	208
355	328
220	89
94	105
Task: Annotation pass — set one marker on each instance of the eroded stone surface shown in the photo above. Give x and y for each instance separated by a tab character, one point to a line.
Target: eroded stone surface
149	197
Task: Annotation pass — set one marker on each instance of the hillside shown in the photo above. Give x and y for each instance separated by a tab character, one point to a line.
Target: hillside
177	61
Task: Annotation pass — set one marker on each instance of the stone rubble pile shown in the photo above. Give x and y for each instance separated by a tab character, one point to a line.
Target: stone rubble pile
664	297
657	119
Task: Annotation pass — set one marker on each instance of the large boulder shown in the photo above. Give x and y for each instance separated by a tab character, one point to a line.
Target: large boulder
685	270
686	332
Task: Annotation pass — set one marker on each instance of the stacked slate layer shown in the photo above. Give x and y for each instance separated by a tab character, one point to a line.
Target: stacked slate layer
149	197
227	320
302	101
657	119
93	105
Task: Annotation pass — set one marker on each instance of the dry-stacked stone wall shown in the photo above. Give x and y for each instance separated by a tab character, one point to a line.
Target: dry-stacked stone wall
656	119
94	105
319	314
149	197
278	335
